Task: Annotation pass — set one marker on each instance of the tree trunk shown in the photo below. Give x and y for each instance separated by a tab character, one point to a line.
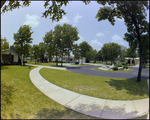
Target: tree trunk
141	60
2	3
68	56
21	53
56	60
61	60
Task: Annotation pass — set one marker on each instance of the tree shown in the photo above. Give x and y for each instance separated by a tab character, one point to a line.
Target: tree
76	52
42	47
131	53
58	43
85	48
26	50
69	36
99	56
36	51
22	38
91	55
134	15
110	51
50	45
53	8
122	53
4	43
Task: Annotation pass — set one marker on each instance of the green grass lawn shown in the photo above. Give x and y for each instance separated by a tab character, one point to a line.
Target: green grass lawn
20	99
100	87
114	70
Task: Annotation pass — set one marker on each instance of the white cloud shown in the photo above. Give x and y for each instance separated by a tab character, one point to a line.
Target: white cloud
117	39
32	20
77	18
119	19
96	44
63	20
80	40
100	34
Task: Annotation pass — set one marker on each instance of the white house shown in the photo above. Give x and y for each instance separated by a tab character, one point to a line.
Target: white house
9	55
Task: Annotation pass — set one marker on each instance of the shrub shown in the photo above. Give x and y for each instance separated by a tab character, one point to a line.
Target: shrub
123	63
38	60
2	63
114	63
125	67
16	63
118	65
7	63
108	64
76	62
24	61
94	61
115	68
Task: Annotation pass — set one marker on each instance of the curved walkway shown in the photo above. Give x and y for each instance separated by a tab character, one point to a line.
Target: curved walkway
96	107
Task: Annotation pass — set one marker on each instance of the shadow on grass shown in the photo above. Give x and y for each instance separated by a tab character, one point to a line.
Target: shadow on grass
132	87
55	113
105	112
6	95
57	66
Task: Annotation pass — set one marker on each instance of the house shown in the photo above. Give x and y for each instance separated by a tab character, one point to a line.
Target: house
129	60
132	60
9	55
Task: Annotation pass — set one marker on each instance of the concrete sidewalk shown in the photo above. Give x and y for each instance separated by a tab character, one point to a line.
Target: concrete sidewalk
96	107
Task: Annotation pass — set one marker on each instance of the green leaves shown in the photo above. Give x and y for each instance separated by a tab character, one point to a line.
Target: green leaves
4	43
85	48
110	51
54	10
22	39
131	53
15	4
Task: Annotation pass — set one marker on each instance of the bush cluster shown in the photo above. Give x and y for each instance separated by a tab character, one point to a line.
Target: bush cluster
118	65
8	63
108	64
76	62
123	63
24	61
115	68
125	67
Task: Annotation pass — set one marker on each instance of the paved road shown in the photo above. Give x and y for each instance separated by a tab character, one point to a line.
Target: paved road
88	70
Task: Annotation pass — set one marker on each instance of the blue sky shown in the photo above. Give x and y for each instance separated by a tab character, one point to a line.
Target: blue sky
78	14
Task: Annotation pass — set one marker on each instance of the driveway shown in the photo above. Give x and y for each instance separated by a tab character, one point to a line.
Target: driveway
88	70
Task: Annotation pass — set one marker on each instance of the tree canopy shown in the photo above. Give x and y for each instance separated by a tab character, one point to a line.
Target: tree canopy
134	15
4	43
111	51
22	38
84	48
131	53
53	9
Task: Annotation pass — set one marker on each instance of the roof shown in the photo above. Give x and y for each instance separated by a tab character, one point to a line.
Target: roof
137	58
9	50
